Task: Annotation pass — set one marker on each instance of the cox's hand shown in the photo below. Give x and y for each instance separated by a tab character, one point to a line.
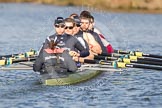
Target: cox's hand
74	54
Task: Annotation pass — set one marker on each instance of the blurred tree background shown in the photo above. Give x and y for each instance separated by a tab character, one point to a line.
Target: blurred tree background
127	5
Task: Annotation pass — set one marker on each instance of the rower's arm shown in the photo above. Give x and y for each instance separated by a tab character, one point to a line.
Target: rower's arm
37	66
83	52
93	44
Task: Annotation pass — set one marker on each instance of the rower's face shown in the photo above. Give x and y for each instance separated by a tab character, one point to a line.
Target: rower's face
76	28
85	24
69	28
60	29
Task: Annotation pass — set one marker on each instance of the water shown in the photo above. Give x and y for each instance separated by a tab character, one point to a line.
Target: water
25	26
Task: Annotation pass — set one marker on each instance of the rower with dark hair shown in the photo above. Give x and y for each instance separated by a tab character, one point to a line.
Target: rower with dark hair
53	62
78	33
85	14
73	15
94	46
72	29
95	35
105	45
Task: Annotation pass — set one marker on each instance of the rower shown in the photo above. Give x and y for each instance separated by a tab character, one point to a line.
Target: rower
69	22
93	44
97	34
73	15
59	27
105	45
76	31
71	41
53	62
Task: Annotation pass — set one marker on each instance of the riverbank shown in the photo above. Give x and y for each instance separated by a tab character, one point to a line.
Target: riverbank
134	6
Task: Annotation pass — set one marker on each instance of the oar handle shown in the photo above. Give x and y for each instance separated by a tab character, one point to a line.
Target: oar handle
121	52
105	54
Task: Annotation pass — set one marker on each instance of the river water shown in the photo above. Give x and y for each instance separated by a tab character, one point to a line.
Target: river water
25	26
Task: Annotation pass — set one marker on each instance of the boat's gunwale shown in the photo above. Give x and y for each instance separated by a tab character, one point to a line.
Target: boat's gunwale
73	78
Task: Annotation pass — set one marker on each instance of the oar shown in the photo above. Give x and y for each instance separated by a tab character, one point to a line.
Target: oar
28	66
87	68
16	68
143	66
91	67
131	59
138	54
139	61
105	58
19	55
145	58
117	64
11	61
100	69
123	65
110	55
